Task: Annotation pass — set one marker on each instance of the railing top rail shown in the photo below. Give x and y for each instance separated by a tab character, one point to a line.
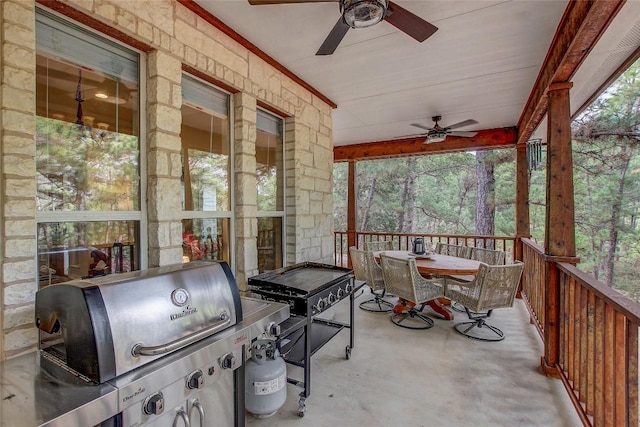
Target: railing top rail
533	244
444	236
619	302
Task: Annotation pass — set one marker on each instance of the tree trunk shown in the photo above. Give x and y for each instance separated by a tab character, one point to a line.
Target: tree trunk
485	204
367	205
406	216
614	223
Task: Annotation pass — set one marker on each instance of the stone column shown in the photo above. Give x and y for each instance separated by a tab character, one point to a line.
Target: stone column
164	169
246	202
309	186
17	177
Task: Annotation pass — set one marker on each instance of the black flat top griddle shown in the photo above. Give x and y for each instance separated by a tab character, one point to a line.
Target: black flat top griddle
305	278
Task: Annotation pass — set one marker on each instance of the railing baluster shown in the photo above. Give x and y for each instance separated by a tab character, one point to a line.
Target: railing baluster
598	339
599	344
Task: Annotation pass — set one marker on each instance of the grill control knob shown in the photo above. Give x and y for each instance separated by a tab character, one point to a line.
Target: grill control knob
195	380
154	404
348	287
228	361
341	293
332	298
322	303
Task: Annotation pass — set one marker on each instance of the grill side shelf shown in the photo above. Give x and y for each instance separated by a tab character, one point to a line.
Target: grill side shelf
292	345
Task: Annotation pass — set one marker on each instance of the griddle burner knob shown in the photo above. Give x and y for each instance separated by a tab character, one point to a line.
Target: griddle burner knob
322	304
228	361
348	287
332	298
195	380
154	404
341	293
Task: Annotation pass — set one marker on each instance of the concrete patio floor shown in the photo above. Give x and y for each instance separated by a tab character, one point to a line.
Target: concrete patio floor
420	378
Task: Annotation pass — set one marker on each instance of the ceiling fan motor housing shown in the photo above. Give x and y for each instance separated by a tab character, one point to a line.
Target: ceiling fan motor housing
363	13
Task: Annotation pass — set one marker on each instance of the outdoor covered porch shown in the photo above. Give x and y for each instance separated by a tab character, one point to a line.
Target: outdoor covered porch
398	376
587	331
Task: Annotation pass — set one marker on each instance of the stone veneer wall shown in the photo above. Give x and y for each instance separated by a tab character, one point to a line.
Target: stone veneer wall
177	37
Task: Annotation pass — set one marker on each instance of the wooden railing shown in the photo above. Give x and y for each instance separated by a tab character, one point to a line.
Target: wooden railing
403	242
532	285
597	338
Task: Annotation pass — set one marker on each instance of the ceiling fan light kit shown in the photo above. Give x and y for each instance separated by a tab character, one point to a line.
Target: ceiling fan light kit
366	13
435	137
363	13
439	133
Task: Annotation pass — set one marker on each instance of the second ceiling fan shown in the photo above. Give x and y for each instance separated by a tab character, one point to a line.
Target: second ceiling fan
365	13
439	133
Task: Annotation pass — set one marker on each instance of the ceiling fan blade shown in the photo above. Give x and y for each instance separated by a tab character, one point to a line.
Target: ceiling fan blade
334	38
263	2
408	23
418	125
462	133
462	124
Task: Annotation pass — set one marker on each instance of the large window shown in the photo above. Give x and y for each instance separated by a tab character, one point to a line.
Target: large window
270	184
206	165
87	153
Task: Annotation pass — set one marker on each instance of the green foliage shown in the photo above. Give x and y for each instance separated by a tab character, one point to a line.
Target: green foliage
606	138
445	194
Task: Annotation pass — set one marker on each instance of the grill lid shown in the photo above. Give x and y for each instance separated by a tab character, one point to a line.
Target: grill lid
105	327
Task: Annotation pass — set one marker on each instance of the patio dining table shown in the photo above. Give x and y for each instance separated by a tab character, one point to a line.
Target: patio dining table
438	264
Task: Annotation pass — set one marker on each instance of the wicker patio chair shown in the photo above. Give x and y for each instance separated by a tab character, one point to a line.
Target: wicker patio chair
380	245
453	250
494	287
402	278
488	256
366	268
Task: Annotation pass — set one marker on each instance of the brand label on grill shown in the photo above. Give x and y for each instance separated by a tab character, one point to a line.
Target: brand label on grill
269	387
186	312
139	391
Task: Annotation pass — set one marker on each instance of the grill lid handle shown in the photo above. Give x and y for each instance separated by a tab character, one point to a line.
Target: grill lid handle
141	350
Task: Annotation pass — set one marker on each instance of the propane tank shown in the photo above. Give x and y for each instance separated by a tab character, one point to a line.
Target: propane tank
265	379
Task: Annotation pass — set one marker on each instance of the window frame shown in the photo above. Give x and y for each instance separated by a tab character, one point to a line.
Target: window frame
104	216
226	214
277	213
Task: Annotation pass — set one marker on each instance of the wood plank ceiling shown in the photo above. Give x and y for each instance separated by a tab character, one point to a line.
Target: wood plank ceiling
491	61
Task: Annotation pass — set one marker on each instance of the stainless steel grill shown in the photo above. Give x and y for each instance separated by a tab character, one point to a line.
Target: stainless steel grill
160	347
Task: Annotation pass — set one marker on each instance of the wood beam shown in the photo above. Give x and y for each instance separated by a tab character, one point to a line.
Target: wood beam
228	31
581	26
559	238
352	191
485	139
523	228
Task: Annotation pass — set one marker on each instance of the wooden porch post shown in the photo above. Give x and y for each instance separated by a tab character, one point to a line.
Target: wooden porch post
523	229
559	239
351	206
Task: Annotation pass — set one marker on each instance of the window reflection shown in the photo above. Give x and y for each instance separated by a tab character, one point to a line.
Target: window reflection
206	177
270	190
206	146
205	239
87	152
269	244
80	250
